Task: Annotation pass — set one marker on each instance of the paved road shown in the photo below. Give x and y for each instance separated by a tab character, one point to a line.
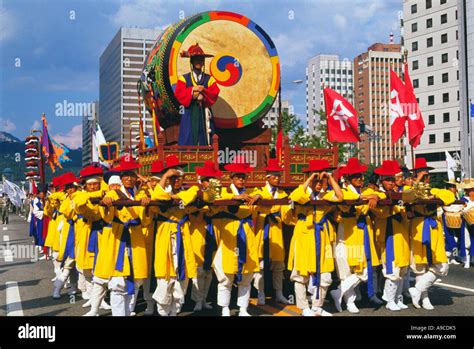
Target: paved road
25	287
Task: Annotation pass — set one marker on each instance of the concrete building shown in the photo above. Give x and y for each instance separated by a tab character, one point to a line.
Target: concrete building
466	80
271	119
431	33
332	72
87	124
371	99
120	68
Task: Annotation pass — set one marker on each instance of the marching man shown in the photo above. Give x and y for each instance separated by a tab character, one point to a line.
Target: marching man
174	261
103	263
310	258
428	249
51	209
125	252
452	235
269	233
149	230
355	249
392	235
66	253
89	227
203	235
237	255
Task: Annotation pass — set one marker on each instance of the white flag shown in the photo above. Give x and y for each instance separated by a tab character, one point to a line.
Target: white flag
97	139
13	191
451	165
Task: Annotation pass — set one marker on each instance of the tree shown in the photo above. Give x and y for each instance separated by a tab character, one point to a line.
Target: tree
292	127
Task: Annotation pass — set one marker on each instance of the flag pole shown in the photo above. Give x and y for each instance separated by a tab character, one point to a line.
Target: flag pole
405	60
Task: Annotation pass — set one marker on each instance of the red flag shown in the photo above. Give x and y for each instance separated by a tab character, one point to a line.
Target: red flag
415	120
341	118
398	116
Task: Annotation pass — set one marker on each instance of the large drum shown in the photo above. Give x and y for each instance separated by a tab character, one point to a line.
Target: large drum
453	219
245	66
469	216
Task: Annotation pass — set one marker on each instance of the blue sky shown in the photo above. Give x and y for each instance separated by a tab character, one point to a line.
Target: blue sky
49	54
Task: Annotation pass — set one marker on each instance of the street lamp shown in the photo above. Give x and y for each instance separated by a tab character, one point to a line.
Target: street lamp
296	82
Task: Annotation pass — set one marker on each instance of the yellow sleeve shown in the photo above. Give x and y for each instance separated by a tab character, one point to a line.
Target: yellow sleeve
331	196
160	194
68	208
445	195
227	194
48	209
255	191
299	195
142	193
108	213
286	214
368	191
350	195
80	198
188	196
263	193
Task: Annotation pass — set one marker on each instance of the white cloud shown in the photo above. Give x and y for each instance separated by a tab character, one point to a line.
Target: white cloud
340	21
7	125
293	51
7	24
141	13
71	139
365	10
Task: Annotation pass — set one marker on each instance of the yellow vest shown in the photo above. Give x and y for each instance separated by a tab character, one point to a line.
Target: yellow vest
110	242
302	254
227	229
438	251
51	209
400	230
167	230
90	213
275	235
354	236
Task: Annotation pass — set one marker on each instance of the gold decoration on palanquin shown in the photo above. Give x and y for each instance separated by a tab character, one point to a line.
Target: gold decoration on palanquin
422	191
296	158
214	190
204	156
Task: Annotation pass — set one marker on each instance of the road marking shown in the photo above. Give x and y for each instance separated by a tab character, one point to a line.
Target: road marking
5	228
454	286
7	253
13	299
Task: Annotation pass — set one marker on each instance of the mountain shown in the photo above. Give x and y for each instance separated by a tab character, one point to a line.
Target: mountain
8	138
12	155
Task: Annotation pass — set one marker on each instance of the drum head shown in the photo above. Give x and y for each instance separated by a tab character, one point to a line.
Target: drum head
245	66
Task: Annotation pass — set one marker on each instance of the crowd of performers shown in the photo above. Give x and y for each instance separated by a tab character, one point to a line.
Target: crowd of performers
99	247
